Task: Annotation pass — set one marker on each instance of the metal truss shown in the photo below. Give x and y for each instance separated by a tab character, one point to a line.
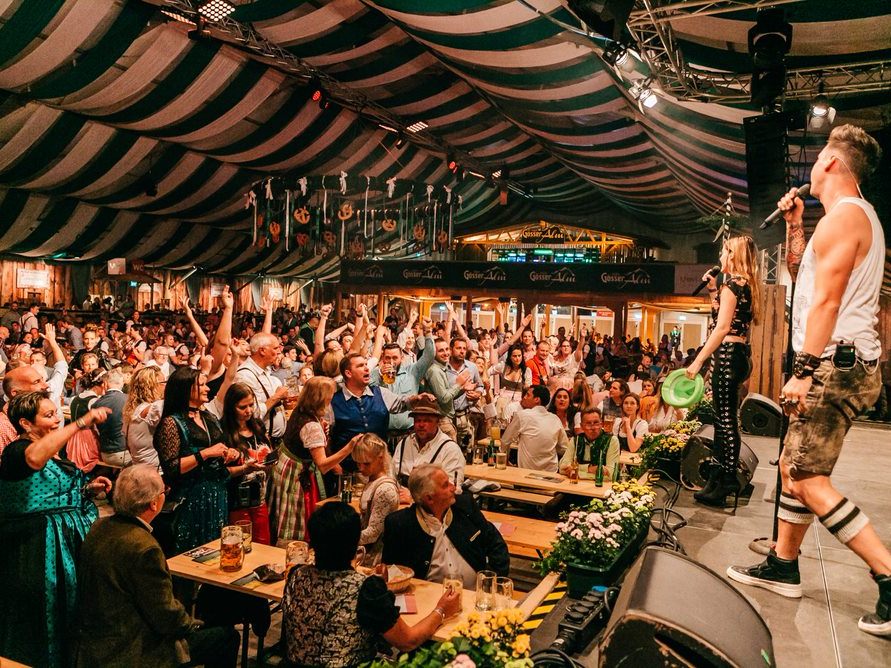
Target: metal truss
650	25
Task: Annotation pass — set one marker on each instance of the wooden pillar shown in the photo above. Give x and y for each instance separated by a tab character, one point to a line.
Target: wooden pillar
468	313
620	317
338	306
381	308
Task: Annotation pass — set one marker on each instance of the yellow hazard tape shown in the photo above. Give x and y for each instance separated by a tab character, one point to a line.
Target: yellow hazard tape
547	605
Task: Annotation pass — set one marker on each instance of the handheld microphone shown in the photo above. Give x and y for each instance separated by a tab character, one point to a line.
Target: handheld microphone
713	272
772	218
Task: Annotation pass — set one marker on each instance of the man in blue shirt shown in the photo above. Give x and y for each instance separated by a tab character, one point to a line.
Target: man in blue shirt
405	377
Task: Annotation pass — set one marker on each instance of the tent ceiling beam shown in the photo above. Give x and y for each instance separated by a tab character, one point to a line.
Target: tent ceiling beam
245	38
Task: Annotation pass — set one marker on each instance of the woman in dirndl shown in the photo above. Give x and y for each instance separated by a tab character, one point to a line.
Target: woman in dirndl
297	477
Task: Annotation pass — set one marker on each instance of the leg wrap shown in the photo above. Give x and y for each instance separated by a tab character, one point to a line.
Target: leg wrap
794	511
844	521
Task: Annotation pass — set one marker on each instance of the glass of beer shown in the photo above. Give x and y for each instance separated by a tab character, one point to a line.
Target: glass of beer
453	583
296	554
245	526
504	593
388	374
485	590
231	549
501	460
608	423
495	433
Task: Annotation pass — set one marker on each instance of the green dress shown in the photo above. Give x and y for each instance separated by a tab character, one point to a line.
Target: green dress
200	495
43	521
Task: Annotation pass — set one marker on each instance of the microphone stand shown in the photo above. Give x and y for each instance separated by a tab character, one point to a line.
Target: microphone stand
764	545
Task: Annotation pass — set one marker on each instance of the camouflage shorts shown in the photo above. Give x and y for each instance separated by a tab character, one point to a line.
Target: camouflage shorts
814	439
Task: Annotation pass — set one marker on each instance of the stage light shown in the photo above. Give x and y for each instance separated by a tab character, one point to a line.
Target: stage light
417	127
452	164
821	115
319	96
644	95
620	56
215	10
400	140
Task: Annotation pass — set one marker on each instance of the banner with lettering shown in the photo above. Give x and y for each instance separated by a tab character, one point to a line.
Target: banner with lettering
650	277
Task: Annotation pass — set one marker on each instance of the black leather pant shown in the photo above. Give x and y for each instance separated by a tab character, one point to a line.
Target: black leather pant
731	366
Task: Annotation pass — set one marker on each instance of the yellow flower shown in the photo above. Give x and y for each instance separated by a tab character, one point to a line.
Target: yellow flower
521	644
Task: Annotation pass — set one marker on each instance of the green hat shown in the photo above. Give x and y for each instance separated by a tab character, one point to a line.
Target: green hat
681	392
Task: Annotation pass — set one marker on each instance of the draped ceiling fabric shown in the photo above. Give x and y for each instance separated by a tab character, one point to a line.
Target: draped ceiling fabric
94	94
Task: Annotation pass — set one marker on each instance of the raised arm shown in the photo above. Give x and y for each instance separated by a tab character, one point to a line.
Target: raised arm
50	337
380	336
579	349
39	452
504	347
223	338
266	307
360	335
200	336
319	339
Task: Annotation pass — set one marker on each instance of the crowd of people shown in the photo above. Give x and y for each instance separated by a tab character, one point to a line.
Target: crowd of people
255	417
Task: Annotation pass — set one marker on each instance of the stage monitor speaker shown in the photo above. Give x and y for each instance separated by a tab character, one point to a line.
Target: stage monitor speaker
673	611
761	416
766	172
696	460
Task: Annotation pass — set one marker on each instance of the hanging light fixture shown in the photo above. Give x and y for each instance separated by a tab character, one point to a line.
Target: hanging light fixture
215	10
821	115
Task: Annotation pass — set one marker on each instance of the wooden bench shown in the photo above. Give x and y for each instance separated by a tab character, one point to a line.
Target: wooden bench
519	496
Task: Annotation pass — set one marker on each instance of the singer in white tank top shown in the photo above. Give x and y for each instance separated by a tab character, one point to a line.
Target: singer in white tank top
859	307
836	300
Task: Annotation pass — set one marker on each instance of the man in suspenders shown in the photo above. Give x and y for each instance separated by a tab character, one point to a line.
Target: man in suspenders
268	390
427	444
835	374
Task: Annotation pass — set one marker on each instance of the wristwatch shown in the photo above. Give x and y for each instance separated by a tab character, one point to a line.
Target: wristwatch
804	365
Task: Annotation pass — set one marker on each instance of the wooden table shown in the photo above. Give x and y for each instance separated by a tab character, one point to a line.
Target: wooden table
518	478
629	458
426	593
527	538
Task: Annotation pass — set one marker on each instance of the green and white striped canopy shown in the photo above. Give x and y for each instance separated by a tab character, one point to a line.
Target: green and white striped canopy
95	93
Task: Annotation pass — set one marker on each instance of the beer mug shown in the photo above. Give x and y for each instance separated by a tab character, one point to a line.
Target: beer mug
231	549
245	526
388	376
296	554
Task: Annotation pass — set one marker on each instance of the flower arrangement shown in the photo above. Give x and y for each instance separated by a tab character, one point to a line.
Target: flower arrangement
704	411
484	640
668	444
595	535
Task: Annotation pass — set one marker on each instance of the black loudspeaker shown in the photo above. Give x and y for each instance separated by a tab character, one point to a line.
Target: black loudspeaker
760	416
697	457
673	611
766	172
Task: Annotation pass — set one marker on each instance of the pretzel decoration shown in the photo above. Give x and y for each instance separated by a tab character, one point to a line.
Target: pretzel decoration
301	215
419	232
357	248
388	224
275	231
442	241
345	212
329	238
302	239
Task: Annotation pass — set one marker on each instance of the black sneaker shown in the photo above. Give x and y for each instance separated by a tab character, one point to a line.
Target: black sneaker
878	623
774	574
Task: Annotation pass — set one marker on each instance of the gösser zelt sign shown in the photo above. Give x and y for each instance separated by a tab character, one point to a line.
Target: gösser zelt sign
650	277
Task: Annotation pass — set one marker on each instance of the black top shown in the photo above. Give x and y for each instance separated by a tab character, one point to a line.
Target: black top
13	465
376	608
742	316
